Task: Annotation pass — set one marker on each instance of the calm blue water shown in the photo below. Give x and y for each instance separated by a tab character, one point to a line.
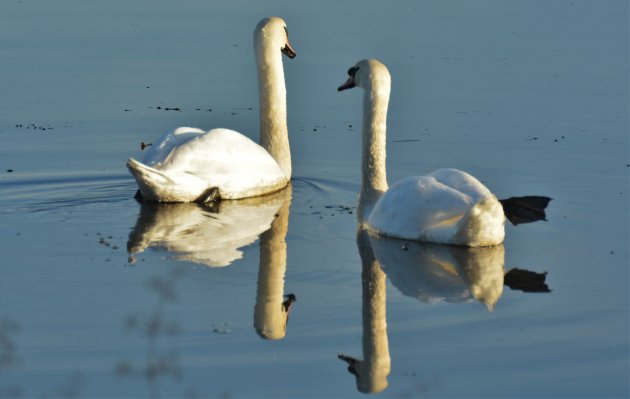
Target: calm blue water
100	297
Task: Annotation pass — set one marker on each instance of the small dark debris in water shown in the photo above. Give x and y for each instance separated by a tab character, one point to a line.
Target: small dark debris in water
405	246
233	113
612	252
127	110
555	140
197	109
32	126
158	107
338	208
148	87
221	328
314	129
9	170
209	110
143	145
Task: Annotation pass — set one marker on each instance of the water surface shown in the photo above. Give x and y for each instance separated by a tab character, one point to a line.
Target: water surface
103	297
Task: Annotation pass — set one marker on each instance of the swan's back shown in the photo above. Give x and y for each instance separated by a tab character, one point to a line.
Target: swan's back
447	206
162	147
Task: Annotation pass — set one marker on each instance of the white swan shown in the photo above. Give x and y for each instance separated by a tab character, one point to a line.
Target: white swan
190	165
447	206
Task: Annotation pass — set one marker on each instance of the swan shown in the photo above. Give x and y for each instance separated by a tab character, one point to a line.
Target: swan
191	165
447	206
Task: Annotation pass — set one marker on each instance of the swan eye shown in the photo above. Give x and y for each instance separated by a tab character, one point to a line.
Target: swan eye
352	71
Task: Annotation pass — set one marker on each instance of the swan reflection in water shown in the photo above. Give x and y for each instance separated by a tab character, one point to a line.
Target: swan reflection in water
208	234
435	273
431	273
212	235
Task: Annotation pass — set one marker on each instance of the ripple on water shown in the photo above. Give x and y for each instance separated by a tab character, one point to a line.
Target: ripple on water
43	193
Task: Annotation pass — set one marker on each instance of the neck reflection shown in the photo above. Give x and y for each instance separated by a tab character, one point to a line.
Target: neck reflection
371	373
271	311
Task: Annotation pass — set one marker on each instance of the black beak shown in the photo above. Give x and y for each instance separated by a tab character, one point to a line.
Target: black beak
348	85
288	50
350	82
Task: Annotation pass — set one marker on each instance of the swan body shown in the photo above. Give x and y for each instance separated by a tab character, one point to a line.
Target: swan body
187	162
192	165
447	206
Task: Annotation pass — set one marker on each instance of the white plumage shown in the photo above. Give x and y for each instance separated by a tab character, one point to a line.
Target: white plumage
446	206
187	162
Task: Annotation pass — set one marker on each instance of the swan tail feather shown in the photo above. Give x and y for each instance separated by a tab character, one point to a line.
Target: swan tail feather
526	209
149	180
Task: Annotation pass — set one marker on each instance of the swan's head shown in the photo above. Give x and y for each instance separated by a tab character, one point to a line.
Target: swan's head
273	32
367	74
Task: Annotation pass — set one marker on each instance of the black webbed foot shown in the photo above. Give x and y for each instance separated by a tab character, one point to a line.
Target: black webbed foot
526	281
138	197
526	209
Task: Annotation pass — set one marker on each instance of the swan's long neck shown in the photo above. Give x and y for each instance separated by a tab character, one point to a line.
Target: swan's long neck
274	135
374	175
